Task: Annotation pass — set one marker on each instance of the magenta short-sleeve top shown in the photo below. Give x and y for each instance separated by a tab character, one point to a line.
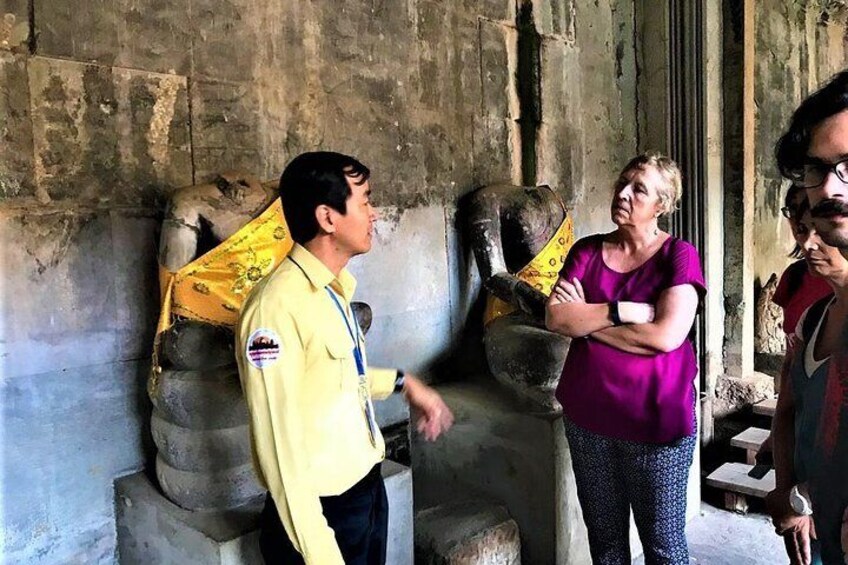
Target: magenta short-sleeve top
647	398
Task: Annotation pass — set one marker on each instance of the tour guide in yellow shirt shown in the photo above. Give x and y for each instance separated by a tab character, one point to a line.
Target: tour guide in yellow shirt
301	356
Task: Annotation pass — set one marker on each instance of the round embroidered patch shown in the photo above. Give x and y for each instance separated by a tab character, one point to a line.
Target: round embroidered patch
263	348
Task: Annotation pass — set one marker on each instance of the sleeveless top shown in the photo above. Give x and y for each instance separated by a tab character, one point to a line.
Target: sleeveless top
808	391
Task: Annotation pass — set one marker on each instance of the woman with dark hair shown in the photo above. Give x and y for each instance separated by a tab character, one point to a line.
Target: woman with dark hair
627	387
798	288
800	403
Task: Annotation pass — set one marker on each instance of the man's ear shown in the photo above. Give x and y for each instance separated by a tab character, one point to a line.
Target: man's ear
324	216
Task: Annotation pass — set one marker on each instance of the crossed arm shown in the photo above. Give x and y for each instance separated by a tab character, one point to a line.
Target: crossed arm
646	329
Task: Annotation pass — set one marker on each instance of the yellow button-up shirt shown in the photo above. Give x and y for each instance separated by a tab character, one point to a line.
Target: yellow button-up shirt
309	432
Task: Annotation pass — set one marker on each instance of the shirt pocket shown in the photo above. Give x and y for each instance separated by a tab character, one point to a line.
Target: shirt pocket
340	351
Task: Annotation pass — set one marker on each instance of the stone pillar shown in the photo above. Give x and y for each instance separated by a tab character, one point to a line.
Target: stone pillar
738	75
714	252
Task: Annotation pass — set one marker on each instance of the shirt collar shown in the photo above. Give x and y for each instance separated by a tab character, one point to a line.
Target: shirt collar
319	275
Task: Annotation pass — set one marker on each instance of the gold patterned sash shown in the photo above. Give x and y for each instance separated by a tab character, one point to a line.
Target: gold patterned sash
541	272
213	287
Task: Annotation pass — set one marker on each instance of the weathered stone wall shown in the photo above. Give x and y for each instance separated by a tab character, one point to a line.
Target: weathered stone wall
799	45
107	105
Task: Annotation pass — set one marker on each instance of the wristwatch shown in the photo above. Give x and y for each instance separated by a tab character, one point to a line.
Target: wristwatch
614	314
800	503
400	379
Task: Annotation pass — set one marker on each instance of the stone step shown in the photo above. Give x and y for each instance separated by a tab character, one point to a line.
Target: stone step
750	440
766	407
734	480
466	533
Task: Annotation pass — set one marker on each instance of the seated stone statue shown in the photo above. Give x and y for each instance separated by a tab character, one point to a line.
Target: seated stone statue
520	237
217	241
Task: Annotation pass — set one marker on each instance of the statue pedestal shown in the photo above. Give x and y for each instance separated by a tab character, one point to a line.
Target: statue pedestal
153	530
499	450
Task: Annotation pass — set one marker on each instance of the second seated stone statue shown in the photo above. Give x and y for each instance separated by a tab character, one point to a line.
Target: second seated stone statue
520	237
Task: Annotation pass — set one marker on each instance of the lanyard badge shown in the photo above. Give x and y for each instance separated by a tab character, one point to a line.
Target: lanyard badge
364	397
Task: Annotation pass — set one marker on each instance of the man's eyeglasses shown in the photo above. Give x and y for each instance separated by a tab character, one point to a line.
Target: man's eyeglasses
814	174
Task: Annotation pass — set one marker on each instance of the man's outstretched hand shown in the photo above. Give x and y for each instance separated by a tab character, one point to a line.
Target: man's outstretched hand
432	415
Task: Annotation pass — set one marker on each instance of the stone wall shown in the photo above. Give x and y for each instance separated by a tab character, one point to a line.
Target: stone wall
105	106
799	45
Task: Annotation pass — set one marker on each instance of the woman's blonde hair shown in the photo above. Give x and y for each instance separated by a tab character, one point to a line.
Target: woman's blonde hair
671	192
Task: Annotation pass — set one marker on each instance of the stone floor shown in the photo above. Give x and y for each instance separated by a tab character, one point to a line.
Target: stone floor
719	537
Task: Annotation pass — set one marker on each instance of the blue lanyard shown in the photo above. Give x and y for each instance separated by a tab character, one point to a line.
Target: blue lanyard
357	350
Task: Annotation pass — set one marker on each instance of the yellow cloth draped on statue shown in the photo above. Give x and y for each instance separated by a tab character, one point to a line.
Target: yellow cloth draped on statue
213	287
541	272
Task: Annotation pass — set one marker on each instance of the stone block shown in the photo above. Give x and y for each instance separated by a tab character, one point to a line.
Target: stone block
98	268
498	65
67	434
437	65
16	150
466	533
413	341
227	38
733	394
225	115
560	145
497	151
398	480
497	451
500	451
68	258
136	282
153	35
107	135
556	18
382	54
499	10
412	322
410	244
151	529
604	36
14	26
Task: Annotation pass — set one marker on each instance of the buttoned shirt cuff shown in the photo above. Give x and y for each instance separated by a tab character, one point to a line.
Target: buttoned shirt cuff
381	382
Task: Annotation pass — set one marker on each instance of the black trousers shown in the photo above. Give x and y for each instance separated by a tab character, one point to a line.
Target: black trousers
359	517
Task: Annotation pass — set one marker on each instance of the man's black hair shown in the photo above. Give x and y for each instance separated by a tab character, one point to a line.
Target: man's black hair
313	179
791	148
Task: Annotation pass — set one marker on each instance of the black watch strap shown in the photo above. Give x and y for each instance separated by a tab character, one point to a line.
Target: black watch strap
615	316
399	380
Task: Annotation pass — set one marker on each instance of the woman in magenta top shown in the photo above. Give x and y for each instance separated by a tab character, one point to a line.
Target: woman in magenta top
628	298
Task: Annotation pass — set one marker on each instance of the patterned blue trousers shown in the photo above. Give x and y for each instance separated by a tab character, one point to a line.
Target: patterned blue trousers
613	476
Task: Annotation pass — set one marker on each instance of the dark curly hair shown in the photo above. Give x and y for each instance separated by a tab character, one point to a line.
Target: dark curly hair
791	149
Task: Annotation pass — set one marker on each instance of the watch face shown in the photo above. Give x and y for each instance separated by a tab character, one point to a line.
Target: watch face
799	502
